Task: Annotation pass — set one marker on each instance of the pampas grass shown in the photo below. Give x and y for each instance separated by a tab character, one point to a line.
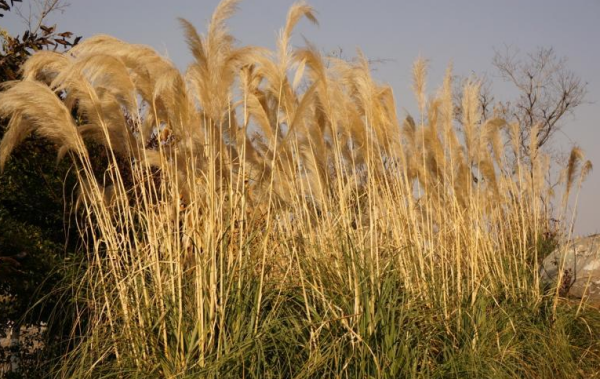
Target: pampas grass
267	215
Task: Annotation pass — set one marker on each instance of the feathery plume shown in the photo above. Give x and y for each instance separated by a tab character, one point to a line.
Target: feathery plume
575	159
419	72
37	109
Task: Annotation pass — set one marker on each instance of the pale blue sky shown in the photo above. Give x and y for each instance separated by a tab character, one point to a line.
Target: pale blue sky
464	32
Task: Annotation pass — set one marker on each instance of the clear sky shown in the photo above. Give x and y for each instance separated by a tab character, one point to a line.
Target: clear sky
464	32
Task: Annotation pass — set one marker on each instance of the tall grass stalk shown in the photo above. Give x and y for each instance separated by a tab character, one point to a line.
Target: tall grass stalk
266	214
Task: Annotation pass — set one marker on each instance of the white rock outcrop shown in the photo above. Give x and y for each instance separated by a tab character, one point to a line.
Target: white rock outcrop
579	262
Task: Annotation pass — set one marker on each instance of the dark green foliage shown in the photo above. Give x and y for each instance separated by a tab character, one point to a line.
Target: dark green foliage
36	194
34	242
32	219
15	50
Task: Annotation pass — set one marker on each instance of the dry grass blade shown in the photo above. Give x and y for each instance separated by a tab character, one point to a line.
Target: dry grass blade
246	219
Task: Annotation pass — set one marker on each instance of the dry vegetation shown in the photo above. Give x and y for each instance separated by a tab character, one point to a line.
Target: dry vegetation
266	214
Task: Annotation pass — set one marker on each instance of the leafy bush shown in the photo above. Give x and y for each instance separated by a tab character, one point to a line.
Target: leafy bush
34	201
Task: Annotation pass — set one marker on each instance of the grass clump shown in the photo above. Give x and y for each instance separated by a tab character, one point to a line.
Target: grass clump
267	215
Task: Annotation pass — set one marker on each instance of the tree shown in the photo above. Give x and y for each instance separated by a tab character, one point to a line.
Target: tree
548	91
37	36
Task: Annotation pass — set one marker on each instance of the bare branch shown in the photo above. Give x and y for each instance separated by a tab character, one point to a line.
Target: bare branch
34	18
548	90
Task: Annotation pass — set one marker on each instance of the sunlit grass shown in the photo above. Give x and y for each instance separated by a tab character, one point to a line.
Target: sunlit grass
267	215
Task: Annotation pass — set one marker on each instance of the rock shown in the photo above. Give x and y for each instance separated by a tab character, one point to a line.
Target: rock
579	261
